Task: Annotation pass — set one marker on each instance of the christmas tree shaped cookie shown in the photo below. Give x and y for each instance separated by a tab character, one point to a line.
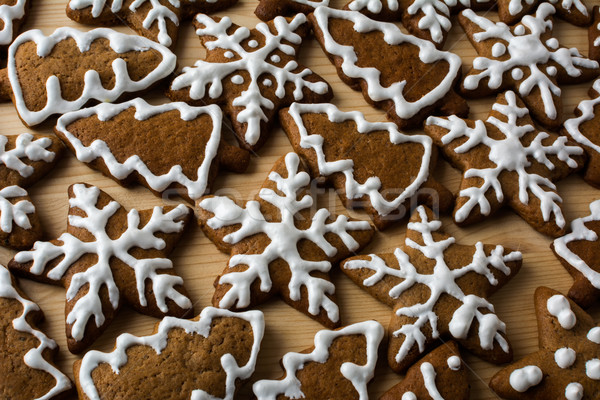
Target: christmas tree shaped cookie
47	75
203	358
269	9
127	142
338	367
157	20
568	362
109	257
24	159
507	161
438	290
278	246
401	74
26	353
251	73
525	58
367	163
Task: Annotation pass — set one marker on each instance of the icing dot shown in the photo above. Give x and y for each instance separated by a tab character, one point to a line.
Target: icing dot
498	49
237	79
275	58
526	377
565	357
454	363
594	335
409	396
551	70
552	43
228	54
517	74
268	82
519	30
559	307
253	44
574	391
592	369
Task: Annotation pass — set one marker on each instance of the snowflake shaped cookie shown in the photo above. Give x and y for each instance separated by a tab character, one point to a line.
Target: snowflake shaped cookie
568	362
438	290
109	257
370	164
338	367
157	20
251	73
574	11
269	9
25	352
24	159
525	58
409	78
279	246
506	161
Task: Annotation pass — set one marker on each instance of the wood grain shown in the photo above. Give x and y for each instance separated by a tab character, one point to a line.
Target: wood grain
199	262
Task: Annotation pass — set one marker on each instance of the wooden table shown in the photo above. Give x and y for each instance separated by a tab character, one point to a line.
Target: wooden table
199	261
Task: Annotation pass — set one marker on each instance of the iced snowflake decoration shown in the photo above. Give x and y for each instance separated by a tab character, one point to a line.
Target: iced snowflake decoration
14	213
258	72
27	148
519	150
284	237
420	324
527	54
373	6
63	260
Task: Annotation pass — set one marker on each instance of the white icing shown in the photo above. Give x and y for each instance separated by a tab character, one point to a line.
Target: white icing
565	357
517	74
237	79
34	358
409	396
516	6
551	70
26	147
498	49
392	35
371	187
594	335
253	43
429	375
508	154
527	51
454	363
524	378
580	232
100	276
268	82
143	111
92	88
592	369
573	125
358	375
558	306
441	282
210	75
373	6
8	14
229	54
284	237
574	391
158	341
14	213
275	58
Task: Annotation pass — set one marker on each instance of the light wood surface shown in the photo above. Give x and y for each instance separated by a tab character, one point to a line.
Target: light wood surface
199	262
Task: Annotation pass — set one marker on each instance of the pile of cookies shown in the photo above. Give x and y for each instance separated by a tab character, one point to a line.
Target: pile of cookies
96	87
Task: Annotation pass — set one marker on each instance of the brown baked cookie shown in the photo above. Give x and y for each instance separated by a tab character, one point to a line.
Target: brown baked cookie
170	148
109	257
24	160
282	244
568	362
158	20
594	34
338	367
207	357
12	16
371	165
579	253
26	353
251	73
439	375
525	58
575	11
401	74
269	9
63	72
506	161
438	290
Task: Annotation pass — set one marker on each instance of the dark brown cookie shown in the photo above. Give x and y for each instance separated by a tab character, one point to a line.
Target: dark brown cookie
269	9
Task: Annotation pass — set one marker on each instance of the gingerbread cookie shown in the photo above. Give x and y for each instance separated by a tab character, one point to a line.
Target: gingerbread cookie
251	73
55	74
507	161
525	58
278	246
108	257
26	353
594	35
440	375
269	9
370	164
338	367
574	11
438	290
158	20
12	15
579	253
568	362
408	78
203	358
127	142
24	159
